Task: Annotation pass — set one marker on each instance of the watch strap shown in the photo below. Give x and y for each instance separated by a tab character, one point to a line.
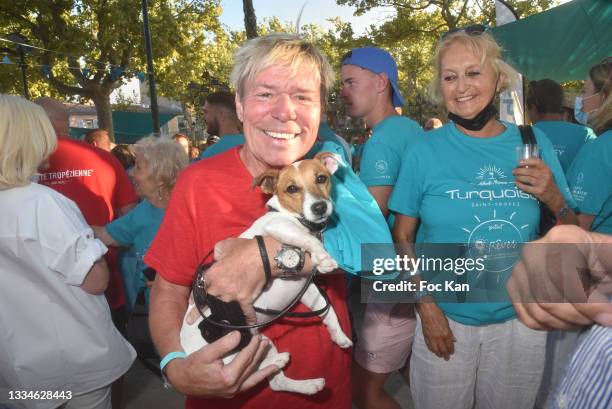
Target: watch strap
263	252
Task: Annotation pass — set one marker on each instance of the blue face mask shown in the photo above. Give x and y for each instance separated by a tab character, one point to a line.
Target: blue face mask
581	116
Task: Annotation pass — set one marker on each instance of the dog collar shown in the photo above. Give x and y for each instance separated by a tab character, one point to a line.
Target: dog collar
312	226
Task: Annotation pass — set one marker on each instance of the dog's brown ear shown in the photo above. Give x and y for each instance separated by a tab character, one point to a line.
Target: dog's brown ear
267	181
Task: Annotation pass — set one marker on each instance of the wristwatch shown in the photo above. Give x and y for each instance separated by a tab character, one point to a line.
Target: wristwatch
290	260
561	213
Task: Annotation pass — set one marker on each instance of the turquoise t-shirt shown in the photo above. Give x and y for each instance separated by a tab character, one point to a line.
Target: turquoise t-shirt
356	219
590	178
382	153
225	143
136	230
462	190
567	139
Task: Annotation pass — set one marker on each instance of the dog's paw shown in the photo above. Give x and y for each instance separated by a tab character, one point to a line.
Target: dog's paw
324	262
280	360
280	382
312	386
341	339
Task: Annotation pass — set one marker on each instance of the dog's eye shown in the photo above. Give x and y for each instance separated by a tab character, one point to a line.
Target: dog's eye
321	179
291	189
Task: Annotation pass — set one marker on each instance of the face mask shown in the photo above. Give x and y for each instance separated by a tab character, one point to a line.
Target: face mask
581	116
478	122
481	118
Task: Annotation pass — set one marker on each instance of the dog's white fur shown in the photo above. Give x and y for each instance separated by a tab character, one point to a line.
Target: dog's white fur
284	226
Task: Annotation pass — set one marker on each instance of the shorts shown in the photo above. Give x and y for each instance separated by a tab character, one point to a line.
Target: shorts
386	337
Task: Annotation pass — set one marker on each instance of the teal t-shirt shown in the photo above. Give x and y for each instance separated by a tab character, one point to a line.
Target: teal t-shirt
356	219
567	139
590	178
382	153
462	190
136	230
225	143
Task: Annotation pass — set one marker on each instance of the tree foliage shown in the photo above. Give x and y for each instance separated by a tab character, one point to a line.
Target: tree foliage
98	43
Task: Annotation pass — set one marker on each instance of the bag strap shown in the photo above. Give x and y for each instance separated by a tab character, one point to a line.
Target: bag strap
527	135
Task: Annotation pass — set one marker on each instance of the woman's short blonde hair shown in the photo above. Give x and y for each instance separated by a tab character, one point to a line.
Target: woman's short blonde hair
280	49
601	76
165	159
27	139
482	45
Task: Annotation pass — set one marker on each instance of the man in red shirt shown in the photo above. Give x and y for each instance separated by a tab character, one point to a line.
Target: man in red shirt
91	177
281	83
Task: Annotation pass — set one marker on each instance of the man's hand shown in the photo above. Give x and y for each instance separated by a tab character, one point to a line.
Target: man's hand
203	373
563	280
237	274
436	331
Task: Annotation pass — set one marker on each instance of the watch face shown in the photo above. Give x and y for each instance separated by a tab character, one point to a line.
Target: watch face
290	258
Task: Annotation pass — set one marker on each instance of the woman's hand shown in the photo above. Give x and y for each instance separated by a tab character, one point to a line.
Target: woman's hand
436	331
534	176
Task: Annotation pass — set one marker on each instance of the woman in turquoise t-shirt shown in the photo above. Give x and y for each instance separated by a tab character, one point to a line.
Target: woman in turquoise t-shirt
590	175
158	163
462	185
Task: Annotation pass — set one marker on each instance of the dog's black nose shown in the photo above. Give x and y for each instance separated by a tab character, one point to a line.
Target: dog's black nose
319	208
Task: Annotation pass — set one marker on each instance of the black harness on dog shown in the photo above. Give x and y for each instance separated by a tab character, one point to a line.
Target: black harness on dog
228	316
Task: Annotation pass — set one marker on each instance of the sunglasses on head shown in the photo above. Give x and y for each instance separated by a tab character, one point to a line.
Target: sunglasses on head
472	30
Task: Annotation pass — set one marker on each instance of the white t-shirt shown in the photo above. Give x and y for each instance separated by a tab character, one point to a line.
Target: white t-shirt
53	335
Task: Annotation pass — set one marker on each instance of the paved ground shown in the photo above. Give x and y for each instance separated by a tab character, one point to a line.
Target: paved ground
144	390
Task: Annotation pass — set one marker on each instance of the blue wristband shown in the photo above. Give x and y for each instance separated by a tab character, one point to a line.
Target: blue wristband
170	357
166	360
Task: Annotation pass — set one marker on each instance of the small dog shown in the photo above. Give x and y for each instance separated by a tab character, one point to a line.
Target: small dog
301	191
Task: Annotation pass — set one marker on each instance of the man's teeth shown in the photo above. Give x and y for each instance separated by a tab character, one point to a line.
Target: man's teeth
280	135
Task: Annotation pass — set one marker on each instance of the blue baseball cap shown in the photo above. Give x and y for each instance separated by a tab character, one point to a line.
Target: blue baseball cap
376	60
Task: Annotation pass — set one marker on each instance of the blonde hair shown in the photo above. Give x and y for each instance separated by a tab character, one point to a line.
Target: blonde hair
482	45
282	49
27	139
165	158
601	76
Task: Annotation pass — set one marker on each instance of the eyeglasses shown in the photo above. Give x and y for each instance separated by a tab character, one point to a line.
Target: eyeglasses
472	30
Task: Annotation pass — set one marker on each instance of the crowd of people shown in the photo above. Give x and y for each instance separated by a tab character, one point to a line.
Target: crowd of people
87	228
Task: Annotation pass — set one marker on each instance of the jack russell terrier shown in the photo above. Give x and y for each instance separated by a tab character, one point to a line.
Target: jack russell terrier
301	198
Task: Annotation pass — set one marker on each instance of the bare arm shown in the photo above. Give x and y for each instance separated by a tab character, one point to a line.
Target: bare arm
585	221
238	275
381	195
97	278
123	210
203	372
102	234
436	330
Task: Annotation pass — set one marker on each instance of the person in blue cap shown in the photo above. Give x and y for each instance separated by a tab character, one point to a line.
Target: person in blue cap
370	91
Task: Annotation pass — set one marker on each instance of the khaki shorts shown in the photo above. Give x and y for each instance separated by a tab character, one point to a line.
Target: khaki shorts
385	341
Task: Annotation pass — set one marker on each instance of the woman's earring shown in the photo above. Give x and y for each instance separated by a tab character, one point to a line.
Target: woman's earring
159	195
